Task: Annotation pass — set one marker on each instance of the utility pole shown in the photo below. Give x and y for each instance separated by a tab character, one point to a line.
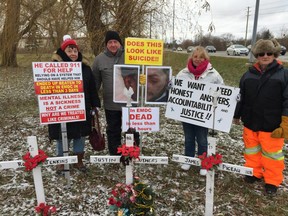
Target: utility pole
251	57
247	26
173	36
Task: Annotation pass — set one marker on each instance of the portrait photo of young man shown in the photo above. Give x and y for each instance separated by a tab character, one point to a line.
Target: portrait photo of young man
157	80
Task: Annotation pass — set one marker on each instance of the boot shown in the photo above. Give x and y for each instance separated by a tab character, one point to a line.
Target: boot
80	166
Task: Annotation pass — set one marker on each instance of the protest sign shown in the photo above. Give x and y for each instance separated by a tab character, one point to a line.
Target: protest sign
142	51
191	101
143	119
59	87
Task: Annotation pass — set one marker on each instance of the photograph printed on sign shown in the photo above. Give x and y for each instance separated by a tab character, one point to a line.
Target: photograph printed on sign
126	83
157	81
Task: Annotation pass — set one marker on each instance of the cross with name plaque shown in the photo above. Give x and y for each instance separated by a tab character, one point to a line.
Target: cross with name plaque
129	168
210	174
37	175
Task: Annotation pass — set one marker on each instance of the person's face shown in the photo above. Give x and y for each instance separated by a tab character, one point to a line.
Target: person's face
157	81
265	58
197	58
72	53
131	81
113	46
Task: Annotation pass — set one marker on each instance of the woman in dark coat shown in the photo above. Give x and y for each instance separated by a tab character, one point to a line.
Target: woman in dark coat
76	131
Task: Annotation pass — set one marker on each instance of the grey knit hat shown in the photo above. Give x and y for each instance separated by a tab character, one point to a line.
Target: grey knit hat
265	46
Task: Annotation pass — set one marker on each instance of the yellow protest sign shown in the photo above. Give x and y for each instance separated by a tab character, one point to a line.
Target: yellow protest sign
143	51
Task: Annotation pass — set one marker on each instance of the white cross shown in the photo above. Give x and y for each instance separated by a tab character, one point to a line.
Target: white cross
37	175
210	175
129	168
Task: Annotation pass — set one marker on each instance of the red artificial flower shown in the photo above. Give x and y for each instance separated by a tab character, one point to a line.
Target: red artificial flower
129	151
203	156
31	162
208	162
112	201
45	210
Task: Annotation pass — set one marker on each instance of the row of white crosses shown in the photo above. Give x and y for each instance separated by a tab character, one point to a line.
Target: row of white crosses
37	174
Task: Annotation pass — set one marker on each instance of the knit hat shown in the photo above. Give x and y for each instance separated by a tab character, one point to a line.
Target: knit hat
67	40
262	46
112	35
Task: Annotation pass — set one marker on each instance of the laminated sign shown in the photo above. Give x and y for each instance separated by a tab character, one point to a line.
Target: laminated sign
59	88
191	101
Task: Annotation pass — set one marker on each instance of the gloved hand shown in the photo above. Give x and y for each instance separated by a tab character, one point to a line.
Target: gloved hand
142	79
282	131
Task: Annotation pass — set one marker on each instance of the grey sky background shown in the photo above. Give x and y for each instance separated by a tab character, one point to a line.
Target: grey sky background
229	16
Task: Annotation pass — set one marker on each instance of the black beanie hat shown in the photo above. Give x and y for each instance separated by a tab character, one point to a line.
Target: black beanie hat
112	35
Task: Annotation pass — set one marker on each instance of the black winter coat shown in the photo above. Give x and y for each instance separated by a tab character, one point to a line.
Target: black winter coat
83	128
264	98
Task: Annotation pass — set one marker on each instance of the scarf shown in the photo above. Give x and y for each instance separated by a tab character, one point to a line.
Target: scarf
197	71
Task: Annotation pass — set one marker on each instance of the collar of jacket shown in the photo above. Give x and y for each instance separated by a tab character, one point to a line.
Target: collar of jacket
60	55
256	67
110	54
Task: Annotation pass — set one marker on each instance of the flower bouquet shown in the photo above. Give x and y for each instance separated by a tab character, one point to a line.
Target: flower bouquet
31	162
45	210
209	162
134	199
128	153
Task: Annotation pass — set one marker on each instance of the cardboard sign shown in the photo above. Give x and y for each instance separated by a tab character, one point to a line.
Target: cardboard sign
143	51
192	102
143	119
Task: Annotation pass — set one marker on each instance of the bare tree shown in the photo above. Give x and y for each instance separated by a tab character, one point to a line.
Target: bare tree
14	27
93	18
128	17
9	37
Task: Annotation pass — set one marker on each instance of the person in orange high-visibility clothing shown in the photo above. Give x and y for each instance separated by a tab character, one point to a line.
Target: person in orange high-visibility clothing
263	109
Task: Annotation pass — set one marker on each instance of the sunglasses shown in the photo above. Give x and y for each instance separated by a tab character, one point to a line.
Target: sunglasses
263	54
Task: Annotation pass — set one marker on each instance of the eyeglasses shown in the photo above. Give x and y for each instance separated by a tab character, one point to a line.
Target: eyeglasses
263	54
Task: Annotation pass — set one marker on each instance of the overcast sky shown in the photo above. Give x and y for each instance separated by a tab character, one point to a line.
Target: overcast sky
230	16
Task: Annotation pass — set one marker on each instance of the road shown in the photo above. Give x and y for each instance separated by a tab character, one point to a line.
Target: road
224	54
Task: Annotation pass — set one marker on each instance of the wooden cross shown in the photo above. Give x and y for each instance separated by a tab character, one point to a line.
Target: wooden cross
129	168
210	175
37	175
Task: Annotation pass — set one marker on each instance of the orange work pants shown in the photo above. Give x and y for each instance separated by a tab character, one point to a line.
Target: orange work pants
264	154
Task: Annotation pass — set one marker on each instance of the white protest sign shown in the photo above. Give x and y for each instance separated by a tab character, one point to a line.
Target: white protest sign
59	86
51	73
192	102
143	119
60	108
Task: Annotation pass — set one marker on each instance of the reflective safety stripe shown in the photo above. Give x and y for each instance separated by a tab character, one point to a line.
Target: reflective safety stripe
253	150
274	155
